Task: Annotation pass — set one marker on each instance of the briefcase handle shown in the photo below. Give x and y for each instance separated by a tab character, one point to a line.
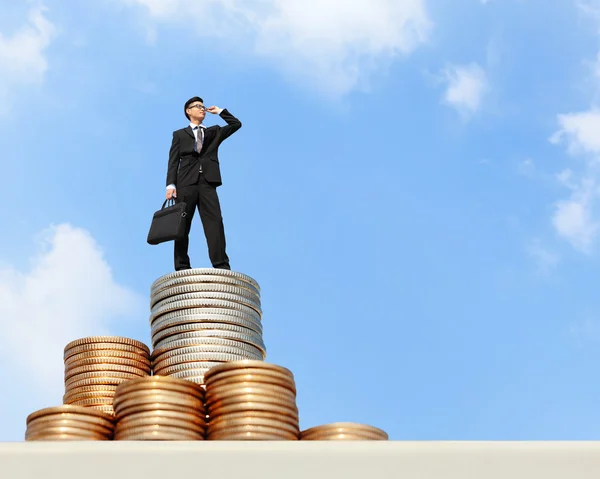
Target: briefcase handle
167	200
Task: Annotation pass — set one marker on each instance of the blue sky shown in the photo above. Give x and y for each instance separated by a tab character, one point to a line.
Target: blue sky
415	187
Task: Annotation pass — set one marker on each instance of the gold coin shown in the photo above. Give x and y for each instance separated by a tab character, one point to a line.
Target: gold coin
157	436
98	401
73	398
251	375
70	397
98	382
100	361
161	382
105	375
107	356
63	430
84	420
230	391
157	396
132	407
341	437
253	421
91	389
66	437
37	427
227	385
106	409
107	339
254	415
230	366
254	406
335	435
193	418
70	372
250	436
345	427
81	420
126	408
252	398
184	433
129	423
254	429
105	346
68	411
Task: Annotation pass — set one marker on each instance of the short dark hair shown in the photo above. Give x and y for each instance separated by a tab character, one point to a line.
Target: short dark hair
189	102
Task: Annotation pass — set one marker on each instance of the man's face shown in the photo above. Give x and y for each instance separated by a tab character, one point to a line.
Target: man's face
196	112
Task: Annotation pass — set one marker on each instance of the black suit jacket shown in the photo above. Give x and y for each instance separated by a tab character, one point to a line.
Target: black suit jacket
184	163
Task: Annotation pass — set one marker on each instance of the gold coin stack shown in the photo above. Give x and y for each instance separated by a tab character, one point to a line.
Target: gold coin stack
69	423
251	400
343	431
96	365
159	408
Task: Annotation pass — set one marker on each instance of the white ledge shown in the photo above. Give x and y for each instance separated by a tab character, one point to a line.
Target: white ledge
300	459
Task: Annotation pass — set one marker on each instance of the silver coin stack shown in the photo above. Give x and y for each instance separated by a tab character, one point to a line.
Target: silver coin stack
202	317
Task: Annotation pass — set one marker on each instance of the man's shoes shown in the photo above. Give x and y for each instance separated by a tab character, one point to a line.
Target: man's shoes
222	266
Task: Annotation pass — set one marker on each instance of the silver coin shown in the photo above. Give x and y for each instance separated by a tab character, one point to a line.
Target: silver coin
211	309
205	321
169	360
194	329
208	295
184	344
194	375
202	303
249	337
187	368
203	279
205	271
203	287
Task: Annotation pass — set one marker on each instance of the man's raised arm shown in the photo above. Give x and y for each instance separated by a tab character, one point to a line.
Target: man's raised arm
233	124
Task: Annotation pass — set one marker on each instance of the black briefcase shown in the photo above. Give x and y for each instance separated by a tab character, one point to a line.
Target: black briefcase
168	223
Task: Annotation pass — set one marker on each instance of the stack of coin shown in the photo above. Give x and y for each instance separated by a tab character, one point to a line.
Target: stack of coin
344	431
69	423
251	400
202	317
94	366
159	408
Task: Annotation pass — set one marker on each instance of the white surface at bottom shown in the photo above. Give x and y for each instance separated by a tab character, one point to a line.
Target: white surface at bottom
300	459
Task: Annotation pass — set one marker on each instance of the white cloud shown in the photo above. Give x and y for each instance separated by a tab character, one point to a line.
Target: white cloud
333	46
68	293
580	130
22	55
575	218
467	85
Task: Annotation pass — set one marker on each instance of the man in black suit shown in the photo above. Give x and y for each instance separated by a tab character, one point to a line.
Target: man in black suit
193	176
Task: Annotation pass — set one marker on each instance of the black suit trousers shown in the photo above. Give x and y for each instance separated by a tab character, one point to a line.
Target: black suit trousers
202	196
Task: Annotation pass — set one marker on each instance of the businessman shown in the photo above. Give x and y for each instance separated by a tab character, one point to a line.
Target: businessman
193	175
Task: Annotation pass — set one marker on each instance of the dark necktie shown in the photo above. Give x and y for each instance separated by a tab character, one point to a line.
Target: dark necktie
198	144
